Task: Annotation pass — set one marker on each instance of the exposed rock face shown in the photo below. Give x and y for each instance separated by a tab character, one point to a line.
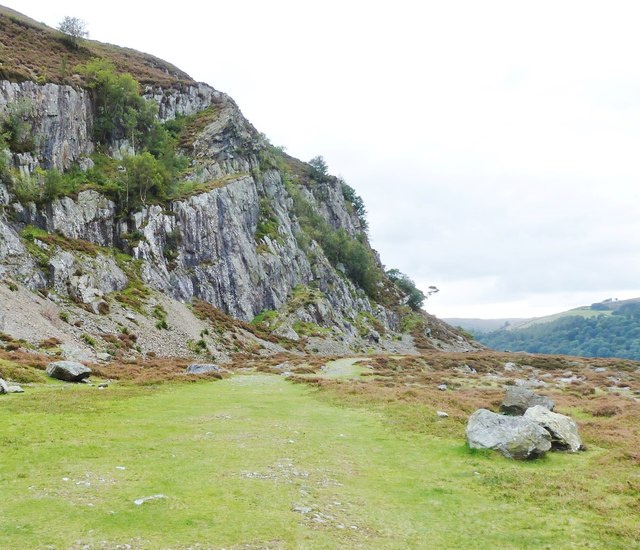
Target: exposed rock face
85	281
185	101
61	119
202	246
69	371
15	261
563	430
518	399
91	217
514	437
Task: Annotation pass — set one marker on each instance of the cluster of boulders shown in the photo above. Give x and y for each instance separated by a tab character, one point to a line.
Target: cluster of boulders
527	429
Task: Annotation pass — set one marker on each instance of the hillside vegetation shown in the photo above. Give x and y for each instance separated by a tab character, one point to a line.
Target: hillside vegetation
598	334
32	51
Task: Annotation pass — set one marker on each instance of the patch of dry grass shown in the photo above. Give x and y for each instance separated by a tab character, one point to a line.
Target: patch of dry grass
32	51
151	371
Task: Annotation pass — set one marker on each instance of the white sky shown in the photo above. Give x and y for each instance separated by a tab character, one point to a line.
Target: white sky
495	144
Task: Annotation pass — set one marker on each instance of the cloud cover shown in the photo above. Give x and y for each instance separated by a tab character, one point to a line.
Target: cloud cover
495	143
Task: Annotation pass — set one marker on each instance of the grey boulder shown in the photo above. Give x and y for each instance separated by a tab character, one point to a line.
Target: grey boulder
3	387
202	368
518	399
69	371
563	430
512	436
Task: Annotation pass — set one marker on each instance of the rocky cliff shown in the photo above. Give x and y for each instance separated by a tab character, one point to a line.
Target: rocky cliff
233	238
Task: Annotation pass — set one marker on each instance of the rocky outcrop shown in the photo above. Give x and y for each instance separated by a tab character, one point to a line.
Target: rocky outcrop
91	217
186	100
512	436
68	371
204	245
563	430
518	399
60	119
15	261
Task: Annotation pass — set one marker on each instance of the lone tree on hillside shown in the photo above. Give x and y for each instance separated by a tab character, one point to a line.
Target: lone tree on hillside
414	296
74	29
319	166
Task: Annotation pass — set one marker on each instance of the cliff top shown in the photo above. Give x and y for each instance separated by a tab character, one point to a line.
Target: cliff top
33	51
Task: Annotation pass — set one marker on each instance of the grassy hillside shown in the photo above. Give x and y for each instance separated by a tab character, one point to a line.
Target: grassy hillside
484	325
585	312
32	51
603	335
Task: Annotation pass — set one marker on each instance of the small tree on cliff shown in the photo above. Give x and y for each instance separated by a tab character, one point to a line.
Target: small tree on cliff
319	166
74	29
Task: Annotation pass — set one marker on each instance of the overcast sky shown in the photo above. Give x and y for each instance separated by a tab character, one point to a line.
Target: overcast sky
496	144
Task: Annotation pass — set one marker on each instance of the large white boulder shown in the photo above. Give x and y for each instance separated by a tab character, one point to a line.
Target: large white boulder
513	436
563	430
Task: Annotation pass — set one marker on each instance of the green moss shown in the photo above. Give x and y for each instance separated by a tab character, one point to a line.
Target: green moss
266	319
136	294
89	340
54	240
306	328
365	321
267	223
303	296
194	124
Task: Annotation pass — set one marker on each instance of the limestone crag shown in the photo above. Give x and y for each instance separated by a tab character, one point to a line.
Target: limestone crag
61	120
203	245
187	100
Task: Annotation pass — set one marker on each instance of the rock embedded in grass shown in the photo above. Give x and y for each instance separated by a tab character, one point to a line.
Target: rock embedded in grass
68	371
202	368
512	436
518	399
141	501
3	387
563	430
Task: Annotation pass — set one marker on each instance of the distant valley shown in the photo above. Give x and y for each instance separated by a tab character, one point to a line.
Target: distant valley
610	328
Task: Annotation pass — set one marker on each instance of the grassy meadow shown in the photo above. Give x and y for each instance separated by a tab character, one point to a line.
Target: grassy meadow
258	461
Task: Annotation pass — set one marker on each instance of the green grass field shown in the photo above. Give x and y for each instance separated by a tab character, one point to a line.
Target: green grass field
255	461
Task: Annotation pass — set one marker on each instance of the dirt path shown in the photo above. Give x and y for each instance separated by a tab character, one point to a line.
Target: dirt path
349	367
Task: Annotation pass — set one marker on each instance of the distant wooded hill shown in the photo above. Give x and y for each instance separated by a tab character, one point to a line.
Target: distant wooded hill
605	329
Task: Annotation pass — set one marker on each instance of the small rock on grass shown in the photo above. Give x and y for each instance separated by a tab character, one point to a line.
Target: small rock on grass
442	414
141	501
442	387
302	509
